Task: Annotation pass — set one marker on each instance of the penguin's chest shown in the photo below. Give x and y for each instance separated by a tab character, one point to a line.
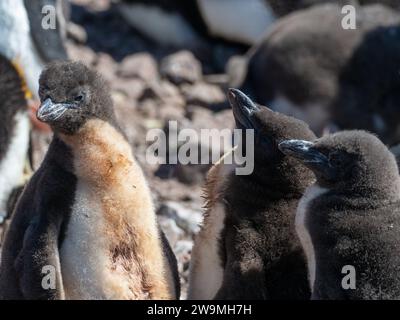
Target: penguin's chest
12	164
92	266
312	193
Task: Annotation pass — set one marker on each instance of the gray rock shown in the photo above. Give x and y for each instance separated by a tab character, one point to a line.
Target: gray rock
203	94
106	65
181	67
132	88
164	91
186	218
76	33
81	53
140	65
183	247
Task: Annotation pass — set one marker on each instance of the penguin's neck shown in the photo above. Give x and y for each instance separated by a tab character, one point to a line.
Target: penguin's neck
108	173
256	188
59	154
269	182
365	196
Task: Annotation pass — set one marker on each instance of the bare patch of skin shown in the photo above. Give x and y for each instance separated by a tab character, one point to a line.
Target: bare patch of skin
104	161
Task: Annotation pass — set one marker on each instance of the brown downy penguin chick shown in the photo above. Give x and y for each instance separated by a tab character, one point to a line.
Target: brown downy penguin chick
349	220
247	247
87	215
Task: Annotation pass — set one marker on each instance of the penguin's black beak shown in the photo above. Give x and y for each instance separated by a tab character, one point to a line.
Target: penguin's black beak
305	152
50	111
243	108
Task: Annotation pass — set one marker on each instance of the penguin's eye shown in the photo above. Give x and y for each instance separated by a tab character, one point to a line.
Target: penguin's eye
79	98
336	159
43	90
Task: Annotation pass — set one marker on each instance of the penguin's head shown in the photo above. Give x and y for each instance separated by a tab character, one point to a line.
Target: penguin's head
346	160
71	94
270	128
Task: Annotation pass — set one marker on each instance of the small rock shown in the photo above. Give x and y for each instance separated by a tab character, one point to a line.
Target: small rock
132	88
140	65
76	33
186	218
183	247
236	70
203	94
155	109
220	79
81	53
106	65
181	67
164	91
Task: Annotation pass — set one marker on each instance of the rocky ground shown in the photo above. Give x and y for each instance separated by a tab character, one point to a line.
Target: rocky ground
150	86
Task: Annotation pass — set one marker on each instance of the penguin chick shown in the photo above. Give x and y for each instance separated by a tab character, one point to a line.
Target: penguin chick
86	216
285	7
349	220
14	133
295	68
369	86
247	247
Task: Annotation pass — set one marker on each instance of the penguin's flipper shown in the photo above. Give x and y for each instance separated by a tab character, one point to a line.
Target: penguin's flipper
48	40
38	263
173	264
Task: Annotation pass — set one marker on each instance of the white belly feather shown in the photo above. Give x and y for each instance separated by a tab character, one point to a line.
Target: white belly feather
86	259
83	260
310	194
206	269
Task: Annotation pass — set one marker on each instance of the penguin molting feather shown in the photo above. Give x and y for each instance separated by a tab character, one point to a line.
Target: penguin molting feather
350	218
247	247
87	212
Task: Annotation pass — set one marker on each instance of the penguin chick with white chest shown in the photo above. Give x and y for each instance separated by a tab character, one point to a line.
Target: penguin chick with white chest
350	217
247	247
87	213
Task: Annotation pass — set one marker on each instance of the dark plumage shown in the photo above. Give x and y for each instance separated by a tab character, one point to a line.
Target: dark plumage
49	42
287	6
87	211
295	69
369	86
351	215
12	100
14	134
260	254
